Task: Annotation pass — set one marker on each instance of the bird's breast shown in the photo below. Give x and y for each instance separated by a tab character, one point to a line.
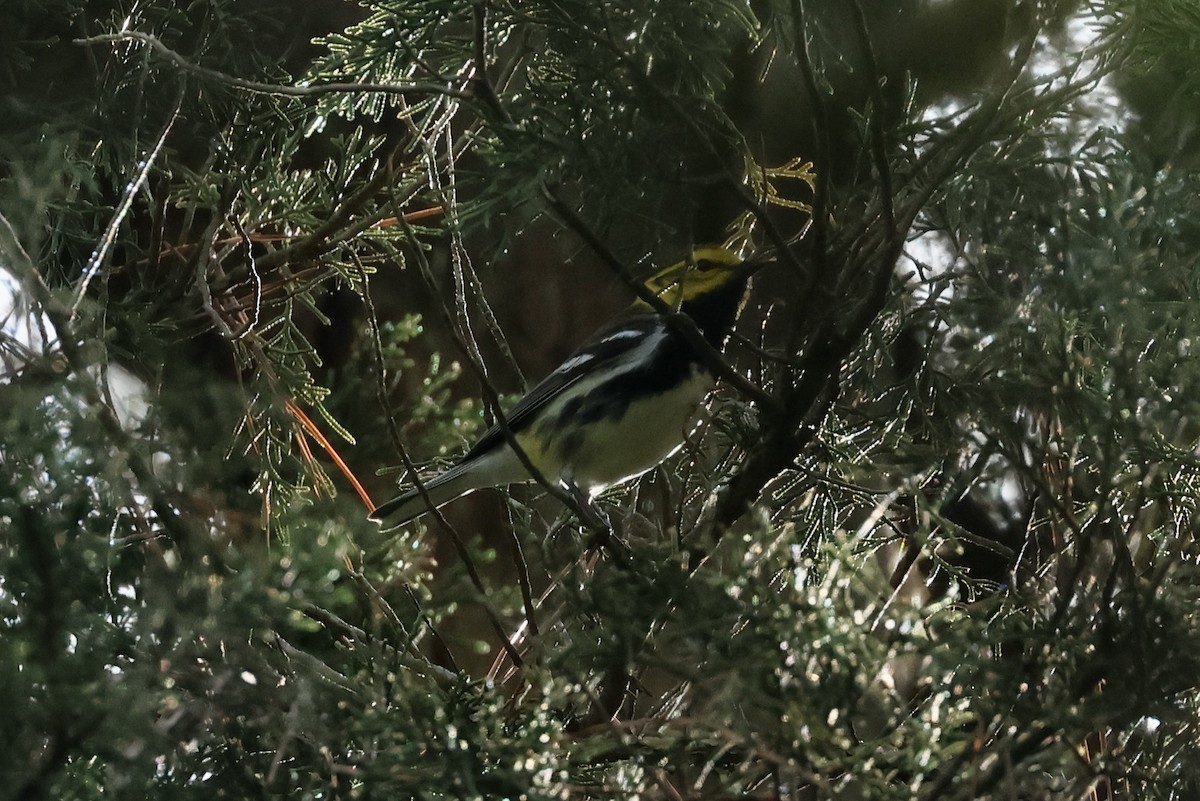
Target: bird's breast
624	420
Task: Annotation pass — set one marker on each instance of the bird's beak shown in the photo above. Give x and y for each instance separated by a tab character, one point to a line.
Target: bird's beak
759	260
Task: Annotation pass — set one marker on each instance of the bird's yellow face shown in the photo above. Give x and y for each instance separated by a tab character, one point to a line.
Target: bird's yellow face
708	269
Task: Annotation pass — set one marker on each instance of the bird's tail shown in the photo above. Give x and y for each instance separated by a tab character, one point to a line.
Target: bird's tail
489	469
440	489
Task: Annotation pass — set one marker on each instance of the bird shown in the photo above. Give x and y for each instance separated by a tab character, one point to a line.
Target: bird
617	407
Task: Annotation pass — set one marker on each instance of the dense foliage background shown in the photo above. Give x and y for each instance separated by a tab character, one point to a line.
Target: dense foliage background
261	259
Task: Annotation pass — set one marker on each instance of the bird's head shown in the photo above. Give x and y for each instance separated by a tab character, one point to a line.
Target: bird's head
709	287
708	269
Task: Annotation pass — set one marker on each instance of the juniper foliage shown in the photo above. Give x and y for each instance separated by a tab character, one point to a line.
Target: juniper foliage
260	263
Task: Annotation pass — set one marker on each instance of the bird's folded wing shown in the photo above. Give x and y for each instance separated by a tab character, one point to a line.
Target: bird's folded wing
591	358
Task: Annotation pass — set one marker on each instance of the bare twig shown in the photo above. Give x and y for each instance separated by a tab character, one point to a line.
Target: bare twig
522	566
820	124
100	254
415	476
432	629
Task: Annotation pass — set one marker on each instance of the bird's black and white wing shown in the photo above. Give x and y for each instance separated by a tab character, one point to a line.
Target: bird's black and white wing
590	360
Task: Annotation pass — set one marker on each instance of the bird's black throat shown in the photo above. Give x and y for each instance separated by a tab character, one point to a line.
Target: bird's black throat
715	312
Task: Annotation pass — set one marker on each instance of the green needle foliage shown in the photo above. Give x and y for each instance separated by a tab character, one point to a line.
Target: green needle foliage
260	260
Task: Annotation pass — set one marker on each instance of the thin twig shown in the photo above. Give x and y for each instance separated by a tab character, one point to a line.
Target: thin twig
156	44
414	474
522	566
820	125
100	254
416	602
331	232
883	169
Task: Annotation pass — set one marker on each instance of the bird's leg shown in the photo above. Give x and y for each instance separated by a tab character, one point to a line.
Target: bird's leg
589	513
594	518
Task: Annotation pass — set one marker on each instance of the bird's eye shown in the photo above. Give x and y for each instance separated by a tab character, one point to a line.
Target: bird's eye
704	264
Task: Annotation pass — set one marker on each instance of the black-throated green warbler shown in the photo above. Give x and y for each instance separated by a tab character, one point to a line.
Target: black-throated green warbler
618	406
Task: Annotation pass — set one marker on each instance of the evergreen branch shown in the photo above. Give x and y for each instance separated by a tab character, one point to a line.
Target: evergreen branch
402	89
652	88
314	665
785	435
341	226
338	227
69	342
414	660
